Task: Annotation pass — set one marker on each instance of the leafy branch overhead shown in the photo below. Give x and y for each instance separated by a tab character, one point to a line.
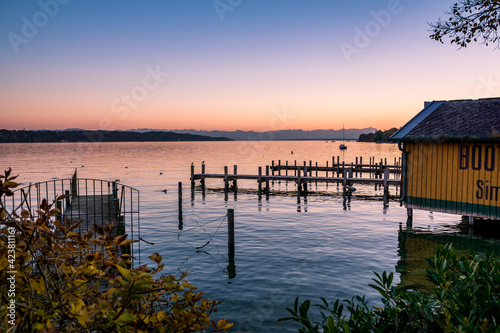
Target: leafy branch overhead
469	21
72	282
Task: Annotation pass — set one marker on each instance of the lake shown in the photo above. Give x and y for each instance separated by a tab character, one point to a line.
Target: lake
318	248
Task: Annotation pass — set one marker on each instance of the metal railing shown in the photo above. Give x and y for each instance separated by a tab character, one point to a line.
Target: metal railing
94	201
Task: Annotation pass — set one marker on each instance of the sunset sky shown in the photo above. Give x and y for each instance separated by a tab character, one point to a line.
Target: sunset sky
230	64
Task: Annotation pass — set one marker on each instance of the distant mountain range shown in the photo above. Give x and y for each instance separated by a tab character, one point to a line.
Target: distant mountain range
349	134
77	135
147	134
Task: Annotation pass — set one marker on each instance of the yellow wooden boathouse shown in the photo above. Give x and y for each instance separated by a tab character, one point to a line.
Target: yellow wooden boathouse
451	158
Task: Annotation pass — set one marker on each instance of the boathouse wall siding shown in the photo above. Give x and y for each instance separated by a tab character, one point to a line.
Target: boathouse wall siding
454	177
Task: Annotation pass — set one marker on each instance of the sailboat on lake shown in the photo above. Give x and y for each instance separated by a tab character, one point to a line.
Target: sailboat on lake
342	145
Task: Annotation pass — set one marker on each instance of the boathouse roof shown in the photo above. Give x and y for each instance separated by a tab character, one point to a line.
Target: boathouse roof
456	120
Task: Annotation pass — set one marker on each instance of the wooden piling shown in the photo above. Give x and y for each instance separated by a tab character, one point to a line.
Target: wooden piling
386	184
202	181
409	221
179	199
344	180
361	163
305	182
226	179
231	268
235	182
259	181
230	232
192	175
299	185
267	179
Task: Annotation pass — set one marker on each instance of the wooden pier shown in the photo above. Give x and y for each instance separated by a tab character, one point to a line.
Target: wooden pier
346	174
95	209
93	201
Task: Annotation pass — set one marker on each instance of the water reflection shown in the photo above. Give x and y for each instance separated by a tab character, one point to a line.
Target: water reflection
416	244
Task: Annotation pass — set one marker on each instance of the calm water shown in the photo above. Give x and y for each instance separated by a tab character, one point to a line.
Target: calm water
283	249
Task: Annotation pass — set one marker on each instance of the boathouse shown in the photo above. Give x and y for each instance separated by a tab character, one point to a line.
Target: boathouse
451	158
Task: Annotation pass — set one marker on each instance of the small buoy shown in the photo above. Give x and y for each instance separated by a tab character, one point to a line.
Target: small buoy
161	173
126	167
291	152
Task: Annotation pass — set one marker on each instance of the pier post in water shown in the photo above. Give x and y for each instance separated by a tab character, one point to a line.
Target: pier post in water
231	268
259	181
202	181
299	185
409	221
192	175
179	198
235	182
267	179
226	183
226	178
386	184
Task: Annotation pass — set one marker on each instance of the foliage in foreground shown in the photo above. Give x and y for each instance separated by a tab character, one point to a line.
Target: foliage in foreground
69	282
466	299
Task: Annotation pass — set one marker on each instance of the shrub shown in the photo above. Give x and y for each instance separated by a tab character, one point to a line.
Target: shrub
68	282
466	298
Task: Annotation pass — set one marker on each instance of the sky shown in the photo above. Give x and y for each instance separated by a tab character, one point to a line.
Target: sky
230	64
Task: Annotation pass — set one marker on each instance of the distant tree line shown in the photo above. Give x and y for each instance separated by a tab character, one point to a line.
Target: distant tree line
378	136
98	136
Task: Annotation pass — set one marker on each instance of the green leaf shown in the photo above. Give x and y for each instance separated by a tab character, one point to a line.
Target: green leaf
304	308
10	184
125	273
142	286
125	319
